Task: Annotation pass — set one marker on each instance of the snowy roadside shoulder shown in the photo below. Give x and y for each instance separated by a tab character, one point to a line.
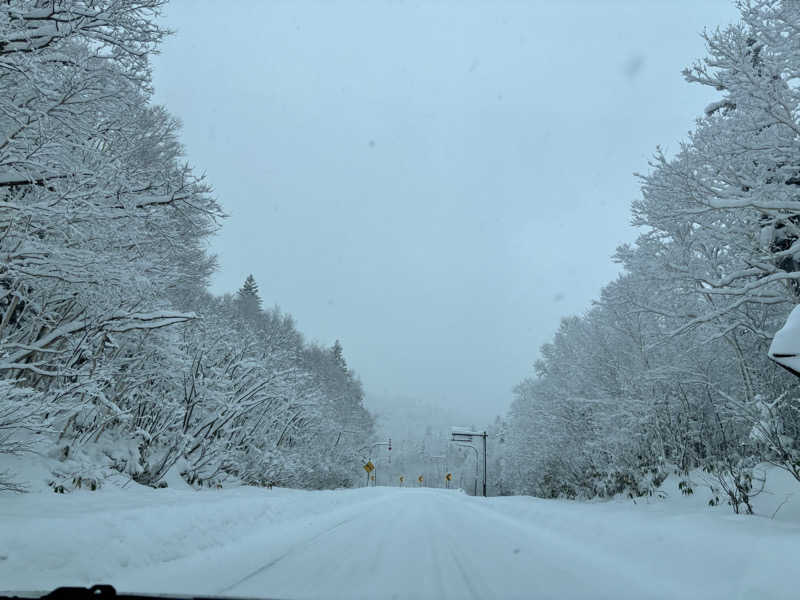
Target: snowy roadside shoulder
679	535
86	537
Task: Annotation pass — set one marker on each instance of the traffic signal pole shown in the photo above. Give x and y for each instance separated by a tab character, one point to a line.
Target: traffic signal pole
464	437
389	444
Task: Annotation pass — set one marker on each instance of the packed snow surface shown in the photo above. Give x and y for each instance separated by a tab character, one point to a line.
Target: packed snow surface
396	543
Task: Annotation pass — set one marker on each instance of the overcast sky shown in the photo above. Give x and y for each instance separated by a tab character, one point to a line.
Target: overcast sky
434	184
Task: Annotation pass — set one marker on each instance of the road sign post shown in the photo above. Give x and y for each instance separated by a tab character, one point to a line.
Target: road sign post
369	468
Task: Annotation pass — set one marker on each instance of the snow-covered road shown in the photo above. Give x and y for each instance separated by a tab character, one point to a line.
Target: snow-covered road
433	544
392	543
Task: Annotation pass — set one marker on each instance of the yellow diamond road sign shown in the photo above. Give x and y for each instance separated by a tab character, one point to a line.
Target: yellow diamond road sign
369	467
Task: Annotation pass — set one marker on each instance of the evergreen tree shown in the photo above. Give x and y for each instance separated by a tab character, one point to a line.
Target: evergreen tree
338	356
248	298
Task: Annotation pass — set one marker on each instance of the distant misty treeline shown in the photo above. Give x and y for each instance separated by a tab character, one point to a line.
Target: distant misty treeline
114	358
669	370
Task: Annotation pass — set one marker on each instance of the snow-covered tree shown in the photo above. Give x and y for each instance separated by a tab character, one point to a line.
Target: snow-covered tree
113	356
669	369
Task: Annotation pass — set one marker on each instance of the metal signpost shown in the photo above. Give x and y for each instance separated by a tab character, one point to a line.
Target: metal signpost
369	468
465	438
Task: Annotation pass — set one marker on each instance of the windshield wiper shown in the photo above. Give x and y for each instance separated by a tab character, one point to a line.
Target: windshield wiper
101	592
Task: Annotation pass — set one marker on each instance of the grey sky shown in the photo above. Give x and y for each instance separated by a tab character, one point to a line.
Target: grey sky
435	184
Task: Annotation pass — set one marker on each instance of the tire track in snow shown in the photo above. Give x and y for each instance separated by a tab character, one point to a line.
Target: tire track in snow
454	550
433	544
286	554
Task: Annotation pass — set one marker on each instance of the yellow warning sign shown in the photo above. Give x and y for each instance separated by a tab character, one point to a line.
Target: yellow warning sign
372	477
369	467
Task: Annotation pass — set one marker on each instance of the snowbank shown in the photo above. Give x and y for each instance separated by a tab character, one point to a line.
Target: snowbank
85	537
699	551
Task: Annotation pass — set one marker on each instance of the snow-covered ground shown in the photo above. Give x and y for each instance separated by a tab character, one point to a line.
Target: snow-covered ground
400	543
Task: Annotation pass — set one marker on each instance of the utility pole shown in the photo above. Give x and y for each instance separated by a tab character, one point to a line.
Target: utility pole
484	464
338	437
